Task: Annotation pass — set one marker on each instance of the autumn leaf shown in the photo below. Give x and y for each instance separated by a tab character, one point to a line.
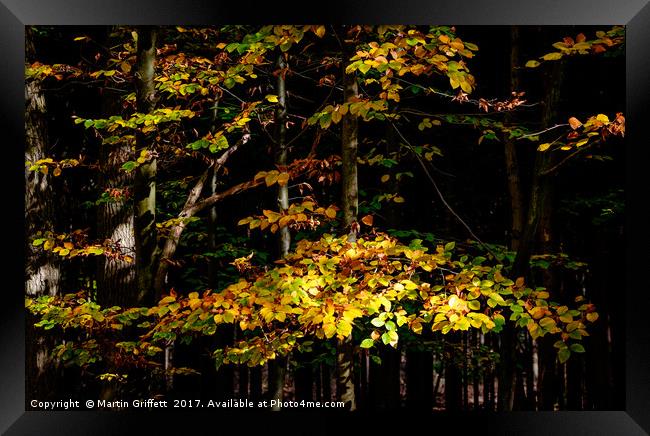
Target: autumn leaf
330	212
574	123
552	56
283	178
367	220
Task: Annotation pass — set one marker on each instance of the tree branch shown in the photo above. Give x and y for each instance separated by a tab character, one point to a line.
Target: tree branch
566	159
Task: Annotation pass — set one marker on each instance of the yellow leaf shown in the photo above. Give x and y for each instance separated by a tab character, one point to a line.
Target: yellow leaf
271	178
532	64
543	147
320	31
385	178
552	56
399	199
272	98
283	178
329	329
602	118
57	172
330	212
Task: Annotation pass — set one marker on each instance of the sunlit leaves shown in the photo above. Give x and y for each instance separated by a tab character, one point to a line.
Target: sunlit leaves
297	216
144	122
44	165
569	46
76	244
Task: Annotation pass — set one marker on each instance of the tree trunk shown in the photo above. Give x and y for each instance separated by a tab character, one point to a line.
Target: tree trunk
116	283
145	177
541	191
419	380
277	368
42	271
453	392
512	164
349	200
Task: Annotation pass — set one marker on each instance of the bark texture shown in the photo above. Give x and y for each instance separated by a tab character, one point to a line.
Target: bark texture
277	368
145	177
350	203
42	271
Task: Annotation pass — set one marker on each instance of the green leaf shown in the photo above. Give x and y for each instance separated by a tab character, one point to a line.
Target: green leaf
377	322
201	143
367	343
564	354
364	68
129	166
577	348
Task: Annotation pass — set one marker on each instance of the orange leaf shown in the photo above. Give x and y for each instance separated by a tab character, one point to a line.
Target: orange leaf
574	123
367	220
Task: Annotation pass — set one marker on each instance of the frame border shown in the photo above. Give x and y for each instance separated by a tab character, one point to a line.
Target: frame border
635	14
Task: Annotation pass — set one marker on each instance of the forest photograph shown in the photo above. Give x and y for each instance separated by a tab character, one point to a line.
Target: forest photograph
299	217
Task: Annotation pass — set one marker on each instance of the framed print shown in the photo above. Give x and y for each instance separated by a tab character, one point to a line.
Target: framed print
395	216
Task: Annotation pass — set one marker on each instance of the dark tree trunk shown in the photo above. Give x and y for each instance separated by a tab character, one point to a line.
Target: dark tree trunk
350	203
42	271
277	368
419	380
384	384
116	279
512	163
327	381
304	380
243	381
145	175
453	388
539	201
256	383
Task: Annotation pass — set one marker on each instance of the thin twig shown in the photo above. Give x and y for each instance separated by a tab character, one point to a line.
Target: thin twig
442	198
563	161
543	131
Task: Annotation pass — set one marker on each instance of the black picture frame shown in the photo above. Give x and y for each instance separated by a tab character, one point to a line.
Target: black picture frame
635	14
